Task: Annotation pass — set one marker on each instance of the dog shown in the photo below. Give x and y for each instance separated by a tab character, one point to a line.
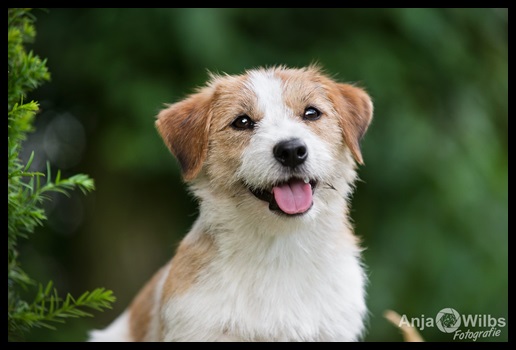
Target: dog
271	155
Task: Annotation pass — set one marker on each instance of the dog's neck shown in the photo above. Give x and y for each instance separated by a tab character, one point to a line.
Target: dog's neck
236	228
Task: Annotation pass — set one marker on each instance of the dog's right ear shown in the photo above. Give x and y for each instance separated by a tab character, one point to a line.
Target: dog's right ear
184	126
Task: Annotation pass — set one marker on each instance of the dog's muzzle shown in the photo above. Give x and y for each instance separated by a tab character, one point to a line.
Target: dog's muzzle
295	196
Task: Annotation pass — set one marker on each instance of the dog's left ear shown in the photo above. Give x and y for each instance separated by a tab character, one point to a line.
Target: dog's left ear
184	126
355	110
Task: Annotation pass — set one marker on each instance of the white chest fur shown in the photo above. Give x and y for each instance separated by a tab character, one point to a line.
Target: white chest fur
302	286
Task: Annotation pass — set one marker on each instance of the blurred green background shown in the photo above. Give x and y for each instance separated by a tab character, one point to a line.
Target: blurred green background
432	206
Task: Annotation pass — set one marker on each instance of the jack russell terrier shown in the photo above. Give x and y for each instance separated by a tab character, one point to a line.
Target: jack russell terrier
271	156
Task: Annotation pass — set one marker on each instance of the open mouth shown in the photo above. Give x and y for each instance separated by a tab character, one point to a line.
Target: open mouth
292	197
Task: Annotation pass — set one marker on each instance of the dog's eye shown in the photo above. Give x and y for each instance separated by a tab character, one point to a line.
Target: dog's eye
311	113
243	122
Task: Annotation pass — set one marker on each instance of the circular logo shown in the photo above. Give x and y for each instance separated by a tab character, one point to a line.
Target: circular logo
448	320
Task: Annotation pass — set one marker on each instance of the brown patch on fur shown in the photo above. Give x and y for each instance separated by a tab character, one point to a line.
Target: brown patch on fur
310	87
184	126
355	111
233	99
141	309
190	127
189	260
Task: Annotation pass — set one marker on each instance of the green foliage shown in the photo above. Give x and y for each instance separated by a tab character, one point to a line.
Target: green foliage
27	191
49	307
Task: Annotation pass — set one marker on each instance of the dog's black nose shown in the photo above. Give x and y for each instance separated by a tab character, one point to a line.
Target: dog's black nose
290	153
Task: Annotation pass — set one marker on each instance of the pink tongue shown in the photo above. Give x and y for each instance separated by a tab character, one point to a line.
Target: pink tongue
293	197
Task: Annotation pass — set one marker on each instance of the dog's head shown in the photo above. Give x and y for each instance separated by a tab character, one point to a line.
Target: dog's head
279	139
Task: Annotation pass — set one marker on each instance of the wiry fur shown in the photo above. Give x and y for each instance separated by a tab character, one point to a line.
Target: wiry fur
245	273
